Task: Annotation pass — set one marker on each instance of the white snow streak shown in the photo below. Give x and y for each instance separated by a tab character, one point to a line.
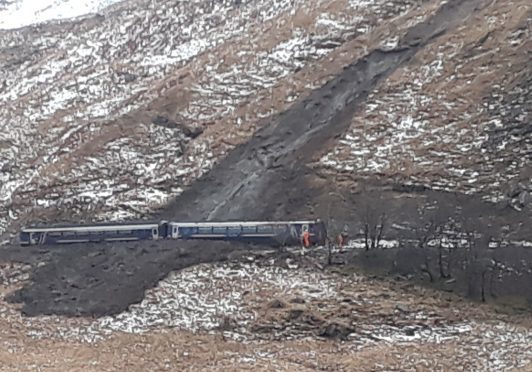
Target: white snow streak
27	12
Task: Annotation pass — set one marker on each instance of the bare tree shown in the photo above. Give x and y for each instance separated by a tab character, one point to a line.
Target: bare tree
482	237
329	246
430	235
424	234
374	220
450	243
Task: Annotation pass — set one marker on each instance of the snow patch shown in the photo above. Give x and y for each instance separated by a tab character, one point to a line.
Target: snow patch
27	12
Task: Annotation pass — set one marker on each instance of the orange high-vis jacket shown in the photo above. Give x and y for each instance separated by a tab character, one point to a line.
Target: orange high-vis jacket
340	240
306	239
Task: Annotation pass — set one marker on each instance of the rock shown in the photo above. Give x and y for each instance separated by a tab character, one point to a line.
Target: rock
524	198
295	313
410	332
402	308
311	319
172	124
277	304
335	329
297	300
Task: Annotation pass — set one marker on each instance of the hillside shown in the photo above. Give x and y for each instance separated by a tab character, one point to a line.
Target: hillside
409	116
90	104
457	118
121	101
124	96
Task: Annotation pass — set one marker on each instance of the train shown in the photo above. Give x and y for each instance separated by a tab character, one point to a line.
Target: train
279	233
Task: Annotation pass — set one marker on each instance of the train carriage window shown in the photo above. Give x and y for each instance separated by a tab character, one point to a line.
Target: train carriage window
204	230
249	229
234	230
265	229
219	230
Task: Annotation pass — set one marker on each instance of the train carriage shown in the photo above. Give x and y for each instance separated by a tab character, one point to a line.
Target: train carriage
271	232
263	232
38	235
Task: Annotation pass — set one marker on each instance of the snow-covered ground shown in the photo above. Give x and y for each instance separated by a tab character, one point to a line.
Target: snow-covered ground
454	119
20	13
261	301
78	110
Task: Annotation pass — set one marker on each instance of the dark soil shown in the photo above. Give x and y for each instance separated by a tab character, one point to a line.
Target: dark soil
102	279
266	178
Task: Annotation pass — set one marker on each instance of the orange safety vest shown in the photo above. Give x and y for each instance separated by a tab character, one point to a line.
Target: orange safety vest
340	240
306	239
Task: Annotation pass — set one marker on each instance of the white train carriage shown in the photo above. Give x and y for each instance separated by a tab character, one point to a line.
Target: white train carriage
264	232
273	232
39	235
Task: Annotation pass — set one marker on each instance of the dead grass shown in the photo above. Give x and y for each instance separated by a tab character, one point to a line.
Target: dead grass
364	302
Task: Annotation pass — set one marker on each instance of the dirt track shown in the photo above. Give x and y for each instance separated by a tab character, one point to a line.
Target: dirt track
267	177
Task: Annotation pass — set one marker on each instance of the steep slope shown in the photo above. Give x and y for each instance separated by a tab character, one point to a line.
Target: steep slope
292	139
457	118
262	109
124	96
266	177
109	170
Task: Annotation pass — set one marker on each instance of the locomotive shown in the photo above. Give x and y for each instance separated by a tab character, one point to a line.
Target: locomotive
263	232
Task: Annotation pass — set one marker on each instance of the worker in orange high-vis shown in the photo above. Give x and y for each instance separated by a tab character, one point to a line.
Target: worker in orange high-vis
305	238
341	239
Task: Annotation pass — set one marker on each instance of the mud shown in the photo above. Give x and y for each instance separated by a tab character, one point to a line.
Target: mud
266	178
101	279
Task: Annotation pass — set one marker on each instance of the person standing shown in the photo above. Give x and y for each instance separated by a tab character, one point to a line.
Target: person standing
305	238
341	239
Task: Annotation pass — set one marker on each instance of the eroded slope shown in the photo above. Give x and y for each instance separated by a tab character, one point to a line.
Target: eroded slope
457	118
105	121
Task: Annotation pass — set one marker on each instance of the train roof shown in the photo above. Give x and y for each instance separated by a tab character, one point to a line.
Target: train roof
112	227
152	224
241	223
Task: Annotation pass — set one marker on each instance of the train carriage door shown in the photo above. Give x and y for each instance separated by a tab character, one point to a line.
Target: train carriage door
175	231
294	234
32	238
155	233
42	238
